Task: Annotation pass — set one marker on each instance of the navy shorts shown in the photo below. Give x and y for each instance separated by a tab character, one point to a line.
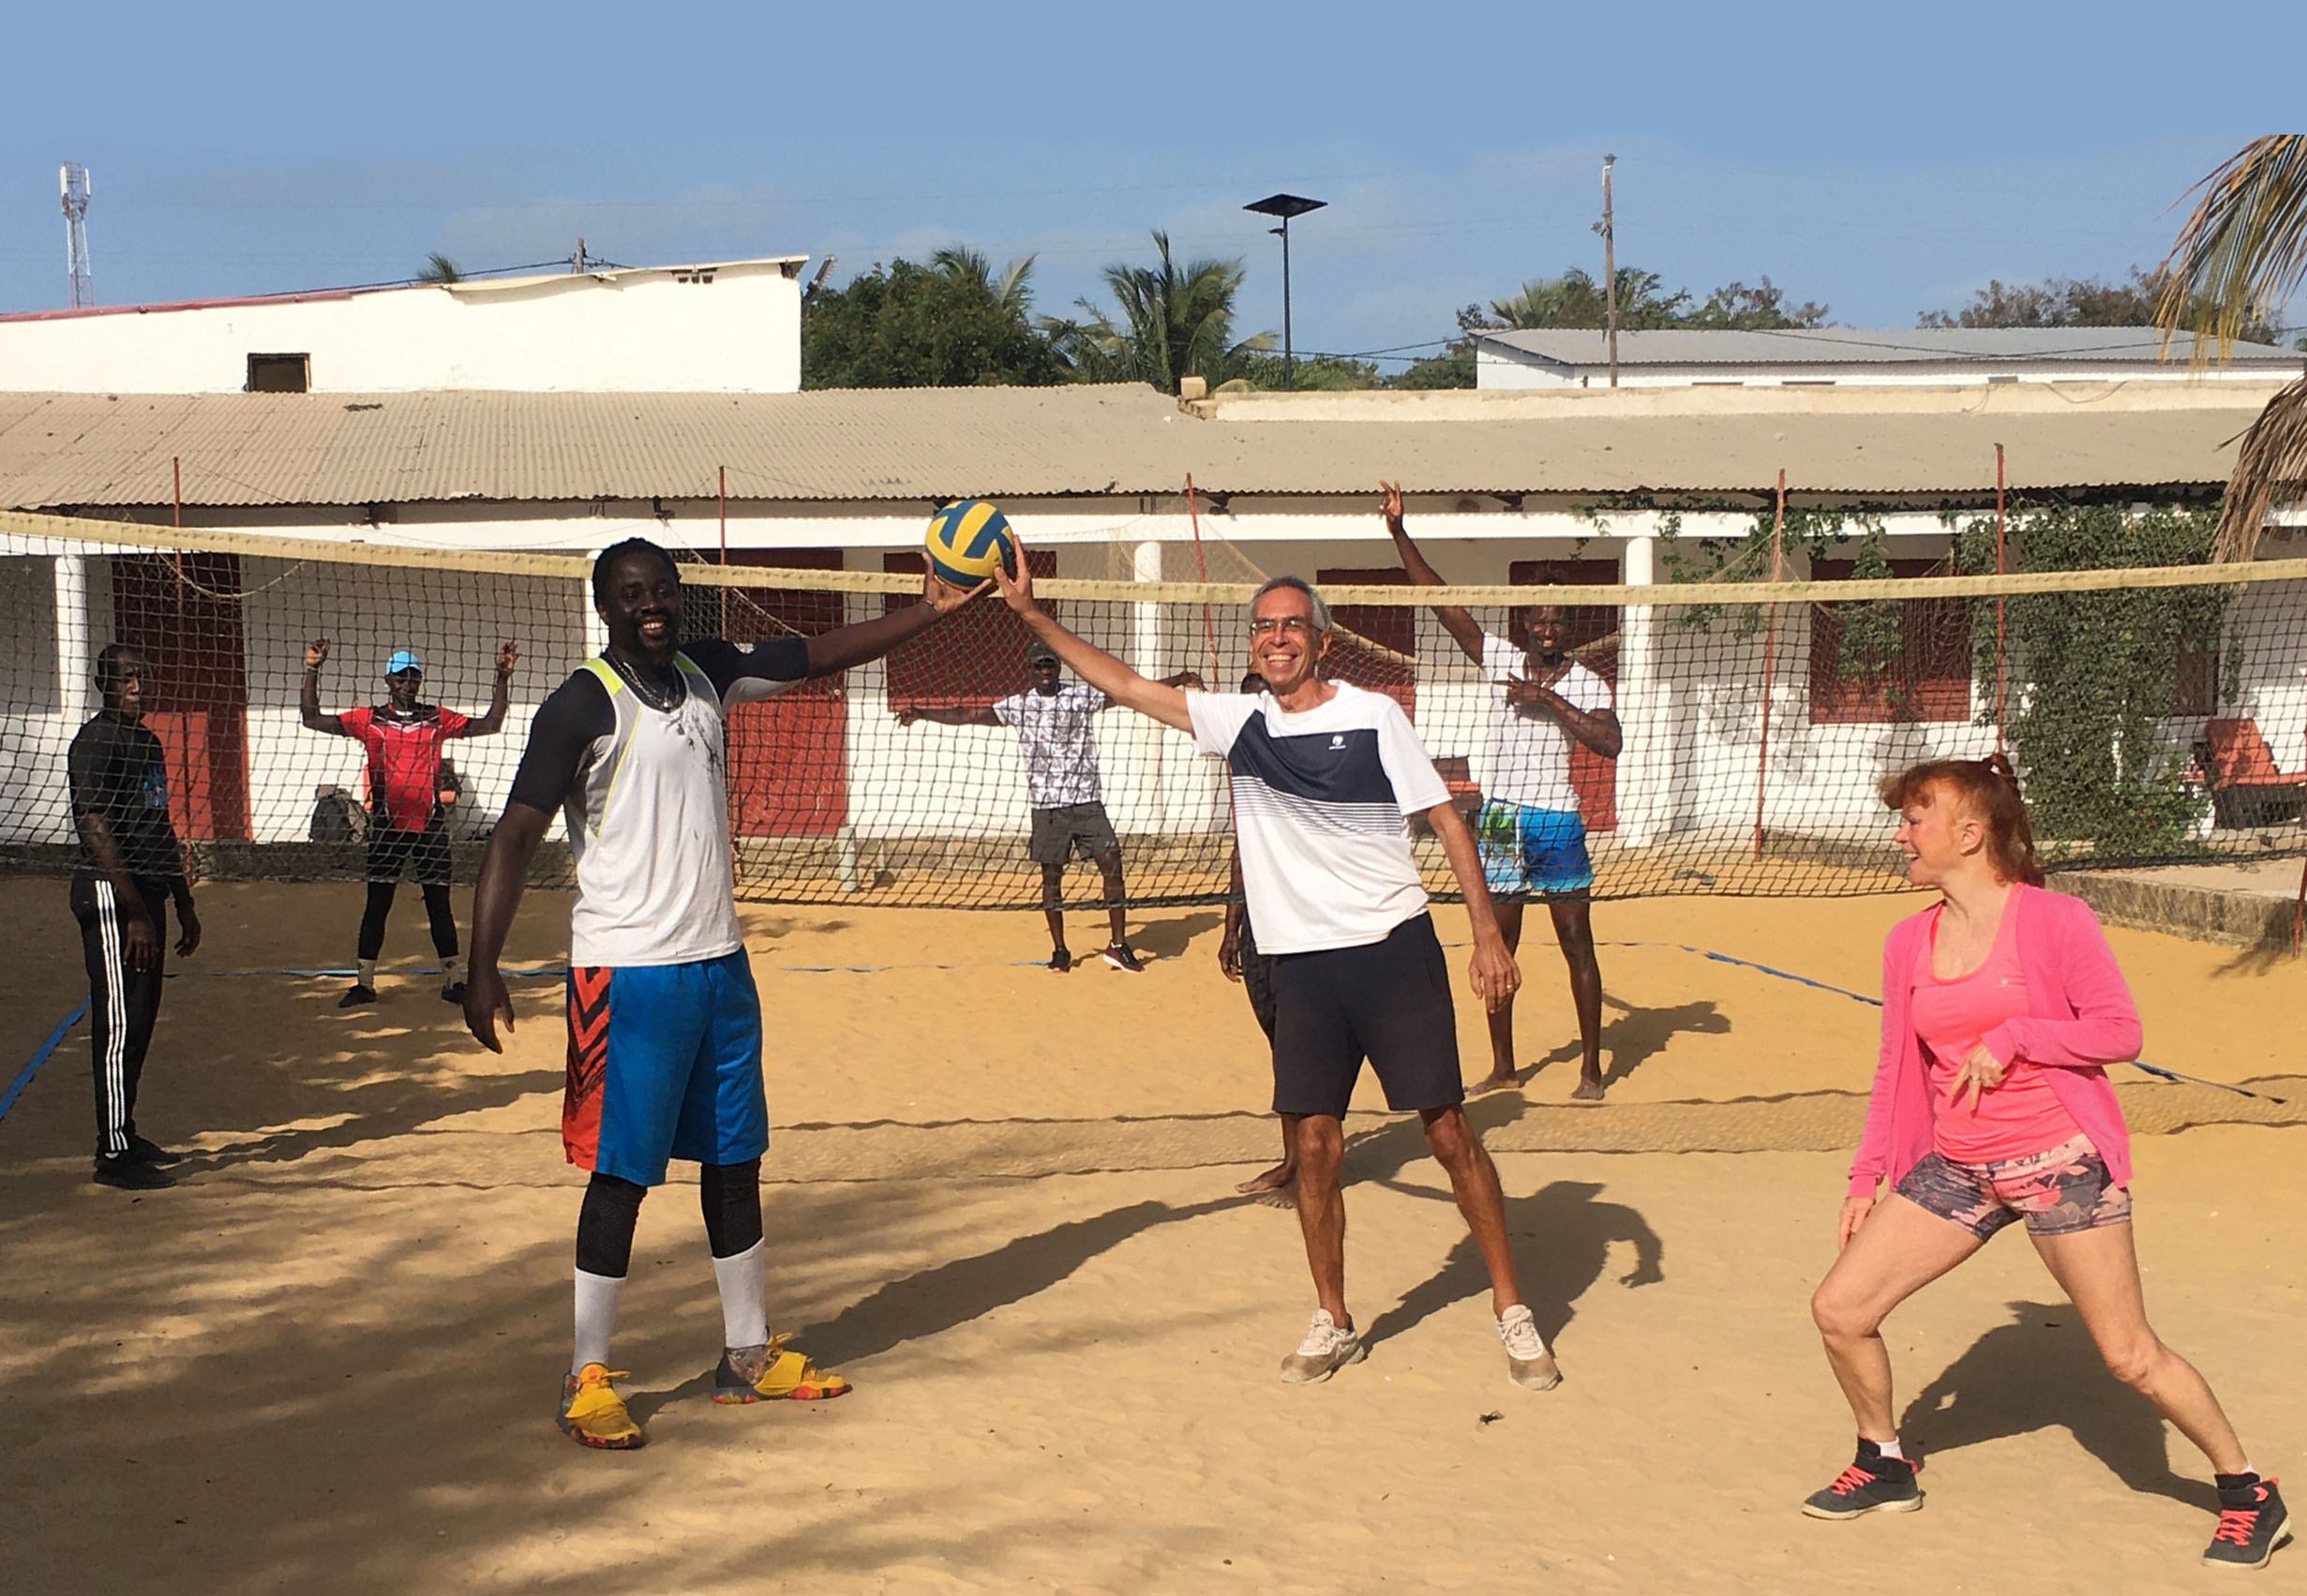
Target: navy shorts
1388	1002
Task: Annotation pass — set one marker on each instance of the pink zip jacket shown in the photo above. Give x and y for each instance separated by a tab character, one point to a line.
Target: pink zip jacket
2079	1019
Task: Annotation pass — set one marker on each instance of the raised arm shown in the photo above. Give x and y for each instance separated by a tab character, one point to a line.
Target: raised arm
308	701
499	697
1087	661
1182	678
1461	626
846	646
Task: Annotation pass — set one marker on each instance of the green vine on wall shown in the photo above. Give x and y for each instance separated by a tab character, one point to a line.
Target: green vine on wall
2094	678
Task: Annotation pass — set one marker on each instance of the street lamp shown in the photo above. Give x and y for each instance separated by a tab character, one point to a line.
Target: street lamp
1284	206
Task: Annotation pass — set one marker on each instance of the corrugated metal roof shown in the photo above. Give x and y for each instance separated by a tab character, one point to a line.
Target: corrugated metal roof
919	445
1887	346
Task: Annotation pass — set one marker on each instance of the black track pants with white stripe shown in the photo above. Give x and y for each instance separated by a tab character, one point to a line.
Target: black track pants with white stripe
122	1003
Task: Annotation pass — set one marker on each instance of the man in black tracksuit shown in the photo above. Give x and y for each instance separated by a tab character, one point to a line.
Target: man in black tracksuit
130	868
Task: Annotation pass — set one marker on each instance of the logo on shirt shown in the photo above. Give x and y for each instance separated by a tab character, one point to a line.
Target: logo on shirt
1337	741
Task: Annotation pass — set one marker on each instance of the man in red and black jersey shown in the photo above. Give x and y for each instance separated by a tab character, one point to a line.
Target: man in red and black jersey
409	792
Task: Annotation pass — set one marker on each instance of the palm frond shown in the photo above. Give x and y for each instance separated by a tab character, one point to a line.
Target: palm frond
2270	468
2243	250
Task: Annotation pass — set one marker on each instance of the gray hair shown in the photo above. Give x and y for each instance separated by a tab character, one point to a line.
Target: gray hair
1297	584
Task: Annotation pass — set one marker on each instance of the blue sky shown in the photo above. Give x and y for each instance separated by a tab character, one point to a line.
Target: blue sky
1885	160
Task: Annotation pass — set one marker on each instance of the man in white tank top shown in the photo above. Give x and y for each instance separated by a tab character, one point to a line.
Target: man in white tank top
665	1026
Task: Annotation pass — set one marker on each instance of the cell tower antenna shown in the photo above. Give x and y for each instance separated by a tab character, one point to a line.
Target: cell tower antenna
74	180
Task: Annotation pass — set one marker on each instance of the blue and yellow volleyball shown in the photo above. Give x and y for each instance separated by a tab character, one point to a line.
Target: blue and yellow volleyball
966	541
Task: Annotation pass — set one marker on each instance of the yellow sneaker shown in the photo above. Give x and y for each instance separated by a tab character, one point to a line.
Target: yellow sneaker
592	1414
770	1372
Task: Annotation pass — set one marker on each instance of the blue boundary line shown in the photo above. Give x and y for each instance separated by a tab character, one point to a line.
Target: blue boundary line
55	1039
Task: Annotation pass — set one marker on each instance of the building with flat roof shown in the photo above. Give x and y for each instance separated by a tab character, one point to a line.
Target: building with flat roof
718	327
1873	356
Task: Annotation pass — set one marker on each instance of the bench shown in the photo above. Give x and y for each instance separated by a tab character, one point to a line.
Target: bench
2247	787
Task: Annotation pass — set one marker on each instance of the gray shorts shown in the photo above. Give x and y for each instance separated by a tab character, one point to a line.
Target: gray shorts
1070	830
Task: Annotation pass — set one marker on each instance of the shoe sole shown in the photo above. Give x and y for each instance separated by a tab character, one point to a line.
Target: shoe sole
2282	1538
600	1443
1535	1383
1832	1517
1293	1377
746	1394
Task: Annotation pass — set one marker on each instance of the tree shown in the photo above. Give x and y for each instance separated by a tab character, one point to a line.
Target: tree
2237	260
1175	322
1760	309
2075	301
1574	299
954	322
439	268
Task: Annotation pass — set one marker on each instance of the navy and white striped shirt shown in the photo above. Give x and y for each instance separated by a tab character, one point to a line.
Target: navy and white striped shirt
1320	801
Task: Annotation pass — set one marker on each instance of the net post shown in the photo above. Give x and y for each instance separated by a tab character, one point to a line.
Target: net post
1770	657
2000	568
845	839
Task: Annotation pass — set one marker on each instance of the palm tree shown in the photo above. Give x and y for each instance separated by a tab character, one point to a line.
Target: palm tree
1012	292
1175	322
439	268
2240	256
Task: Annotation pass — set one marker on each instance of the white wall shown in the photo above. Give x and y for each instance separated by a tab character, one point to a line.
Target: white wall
731	329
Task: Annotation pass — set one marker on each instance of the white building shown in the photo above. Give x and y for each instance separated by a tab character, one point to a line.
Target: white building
1899	356
723	327
1584	485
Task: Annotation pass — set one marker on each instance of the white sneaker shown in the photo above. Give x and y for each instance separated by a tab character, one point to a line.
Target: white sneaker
1324	1350
1529	1364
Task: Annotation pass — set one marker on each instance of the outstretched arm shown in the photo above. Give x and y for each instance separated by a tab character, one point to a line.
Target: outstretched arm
308	701
982	715
1495	974
1183	678
838	649
504	870
1087	661
1461	626
499	697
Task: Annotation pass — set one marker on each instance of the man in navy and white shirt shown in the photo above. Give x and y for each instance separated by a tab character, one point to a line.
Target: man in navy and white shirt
1324	778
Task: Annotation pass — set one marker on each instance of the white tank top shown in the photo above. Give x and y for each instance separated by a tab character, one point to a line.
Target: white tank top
648	831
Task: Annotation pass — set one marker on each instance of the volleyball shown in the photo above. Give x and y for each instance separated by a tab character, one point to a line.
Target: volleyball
966	541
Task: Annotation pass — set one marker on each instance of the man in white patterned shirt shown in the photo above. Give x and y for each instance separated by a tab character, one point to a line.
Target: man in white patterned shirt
1061	749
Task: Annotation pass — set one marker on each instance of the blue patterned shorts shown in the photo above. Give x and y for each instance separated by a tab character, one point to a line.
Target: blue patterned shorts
2058	1193
1533	853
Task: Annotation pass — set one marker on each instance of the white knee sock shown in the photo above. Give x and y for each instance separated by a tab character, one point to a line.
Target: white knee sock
368	976
596	1317
744	1321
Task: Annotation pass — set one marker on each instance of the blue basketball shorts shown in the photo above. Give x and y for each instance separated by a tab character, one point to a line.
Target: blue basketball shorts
1533	853
665	1062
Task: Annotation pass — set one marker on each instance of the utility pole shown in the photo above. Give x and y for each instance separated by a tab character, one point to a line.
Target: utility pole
73	179
577	256
1610	269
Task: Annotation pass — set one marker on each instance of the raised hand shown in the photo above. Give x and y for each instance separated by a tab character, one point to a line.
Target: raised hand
1016	591
506	656
316	654
944	598
1390	506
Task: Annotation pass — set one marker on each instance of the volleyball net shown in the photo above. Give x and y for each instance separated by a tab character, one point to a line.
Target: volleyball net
2156	715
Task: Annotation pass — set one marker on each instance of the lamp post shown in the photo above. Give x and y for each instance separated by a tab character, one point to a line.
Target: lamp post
1284	206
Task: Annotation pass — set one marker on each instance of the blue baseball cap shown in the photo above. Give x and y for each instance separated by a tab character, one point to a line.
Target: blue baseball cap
403	659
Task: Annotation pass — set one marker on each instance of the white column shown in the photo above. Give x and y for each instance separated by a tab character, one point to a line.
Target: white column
1645	712
75	660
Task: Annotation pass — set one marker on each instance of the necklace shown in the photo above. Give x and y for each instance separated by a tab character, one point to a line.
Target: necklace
662	696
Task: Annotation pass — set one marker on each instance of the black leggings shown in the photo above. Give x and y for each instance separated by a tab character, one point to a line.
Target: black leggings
730	1195
381	905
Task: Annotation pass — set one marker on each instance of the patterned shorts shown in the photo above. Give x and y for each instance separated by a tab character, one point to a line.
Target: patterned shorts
1533	853
2058	1193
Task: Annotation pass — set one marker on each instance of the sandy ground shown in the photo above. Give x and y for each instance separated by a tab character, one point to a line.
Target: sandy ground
1004	1207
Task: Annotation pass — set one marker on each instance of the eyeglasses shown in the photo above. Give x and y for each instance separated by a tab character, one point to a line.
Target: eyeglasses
1264	625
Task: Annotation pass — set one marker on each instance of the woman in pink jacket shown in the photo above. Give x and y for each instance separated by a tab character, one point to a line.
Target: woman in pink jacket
2001	1009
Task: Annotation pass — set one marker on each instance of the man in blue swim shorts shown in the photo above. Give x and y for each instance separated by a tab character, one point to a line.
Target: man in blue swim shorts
1532	835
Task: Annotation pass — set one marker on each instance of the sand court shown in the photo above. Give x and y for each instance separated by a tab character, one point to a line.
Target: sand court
1002	1202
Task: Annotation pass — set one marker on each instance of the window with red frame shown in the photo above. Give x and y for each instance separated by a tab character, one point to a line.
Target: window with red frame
1383	643
969	658
1928	679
